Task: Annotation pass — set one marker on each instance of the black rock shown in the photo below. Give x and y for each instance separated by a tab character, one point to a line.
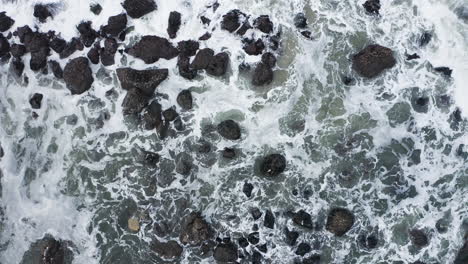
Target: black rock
339	221
254	47
152	118
303	219
263	74
5	58
229	153
17	67
300	20
17	50
145	80
22	32
372	6
150	159
78	75
413	56
256	257
195	230
108	53
57	44
425	38
272	165
188	48
39	59
225	252
347	80
56	69
373	60
247	189
5	22
167	250
269	220
170	114
87	34
303	248
291	237
314	259
184	99
254	238
244	27
202	59
243	242
218	64
183	63
115	25
264	24
36	42
368	241
134	102
306	34
139	8
419	237
256	213
462	256
4	46
269	59
93	54
2	153
205	20
70	48
96	9
42	12
263	248
229	129
205	36
49	251
444	70
184	164
231	20
36	101
174	24
152	48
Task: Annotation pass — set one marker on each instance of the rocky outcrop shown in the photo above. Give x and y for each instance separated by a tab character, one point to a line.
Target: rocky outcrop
152	48
373	60
78	75
144	80
139	8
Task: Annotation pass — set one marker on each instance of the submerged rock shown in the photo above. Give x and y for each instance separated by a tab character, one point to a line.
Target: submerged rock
373	60
167	250
36	101
368	241
300	21
184	164
226	253
339	221
152	48
419	237
195	230
462	256
291	237
144	80
303	248
48	250
184	99
17	50
269	220
139	8
229	153
229	129
372	6
254	47
304	219
174	24
115	25
78	75
134	102
5	22
17	67
263	74
264	24
273	165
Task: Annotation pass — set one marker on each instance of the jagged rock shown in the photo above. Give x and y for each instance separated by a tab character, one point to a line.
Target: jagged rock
306	34
269	59
39	59
264	24
36	101
247	189
205	36
253	238
444	70
56	69
5	22
17	50
42	12
272	165
115	25
413	56
152	48
226	253
17	67
218	64
87	34
145	80
339	221
184	99
57	44
372	6
22	32
36	42
4	46
184	68
202	59
269	220
173	24
229	129
134	102
108	53
373	60
152	118
195	230
78	75
93	54
167	250
254	47
300	20
263	74
231	20
70	48
188	48
139	8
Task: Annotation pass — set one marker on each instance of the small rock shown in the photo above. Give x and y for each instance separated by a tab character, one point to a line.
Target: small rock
139	8
263	75
247	189
229	153
243	29
291	237
373	60
144	80
254	48
184	68
188	47
254	238
419	237
218	64
256	213
78	75
195	230
303	219
300	20
425	38
368	241
339	221
5	22
303	248
39	59
184	99
243	242
229	129
56	69
272	165
152	118
134	224
167	250
42	12
269	220
269	59
205	36
87	34
314	259
4	46
225	252
372	6
231	20
205	20
306	34
264	24
36	101
347	80
108	53
17	67
2	153
170	114
70	48
93	54
174	24
17	50
413	56
150	159
115	25
444	70
152	48
95	8
263	248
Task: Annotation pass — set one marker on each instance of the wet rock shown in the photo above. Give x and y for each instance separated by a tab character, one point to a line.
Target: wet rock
23	32
152	48
462	256
291	237
174	24
139	8
56	69
306	34
184	68
144	80
150	159
17	67
314	259
70	48
188	48
184	99
78	75
339	221
300	20
226	253
5	22
425	38
264	24
184	164
254	47
36	101
229	129
269	59
205	20
93	54
368	241
263	74
254	238
115	25
218	64
48	250
244	27
202	59
170	114
272	165
42	12
372	6
263	248
413	56
152	118
205	36
229	153
304	219
134	224
57	44
243	242
231	20
108	53
373	60
195	230
87	34
444	70
17	50
39	59
347	80
134	102
420	104
247	189
95	9
167	250
269	220
303	248
2	152
256	257
256	213
4	46
419	237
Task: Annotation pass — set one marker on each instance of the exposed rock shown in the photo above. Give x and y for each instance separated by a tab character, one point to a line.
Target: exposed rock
134	224
108	53
202	59
78	75
184	68
4	46
174	24
57	44
42	12
303	248
93	54
145	80
95	8
70	48
17	50
205	36
462	256
247	189
49	251
184	164
167	250
195	230
218	64
188	47
339	221
231	20
254	47
372	6
413	56
5	22
425	38
300	20
139	8
39	59
254	238
272	165
17	67
205	20
229	129
134	102
229	153
306	34
226	253
368	241
152	118
184	99
444	70
347	80
419	237
373	60
291	237
264	24
22	32
170	114
152	48
115	25
256	213
87	34
36	42
36	101
304	219
269	59
243	242
269	220
263	74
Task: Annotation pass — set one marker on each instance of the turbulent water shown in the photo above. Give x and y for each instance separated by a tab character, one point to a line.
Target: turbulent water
367	147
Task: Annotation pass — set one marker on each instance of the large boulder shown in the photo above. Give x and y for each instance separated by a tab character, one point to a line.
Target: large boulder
78	75
229	129
339	221
48	250
272	165
226	253
152	48
139	8
115	25
167	250
144	80
195	230
373	60
5	22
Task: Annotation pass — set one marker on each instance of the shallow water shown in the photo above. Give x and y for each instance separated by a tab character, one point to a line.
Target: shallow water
365	147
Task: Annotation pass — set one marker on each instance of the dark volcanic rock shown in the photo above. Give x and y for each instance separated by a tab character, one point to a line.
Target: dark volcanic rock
49	251
462	256
231	20
185	100
247	189
108	53
184	164
22	32
254	238
39	59
229	153
264	24
256	213
218	64
17	50
95	8
419	237
36	101
368	241
139	8
134	102
115	25
152	48
373	60
303	248
4	46
205	36
5	22
188	47
93	54
269	59
152	118
269	220
300	20
17	67
263	74
306	34
243	242
195	230
254	47
56	69
372	6
57	44
272	165
339	221
42	12
444	70
70	48
184	68
291	237
425	38
167	250
413	56
36	42
303	219
173	24
226	253
170	114
145	80
202	59
229	129
87	34
78	76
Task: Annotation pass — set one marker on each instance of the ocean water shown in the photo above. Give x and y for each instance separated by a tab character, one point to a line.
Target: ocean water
366	147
